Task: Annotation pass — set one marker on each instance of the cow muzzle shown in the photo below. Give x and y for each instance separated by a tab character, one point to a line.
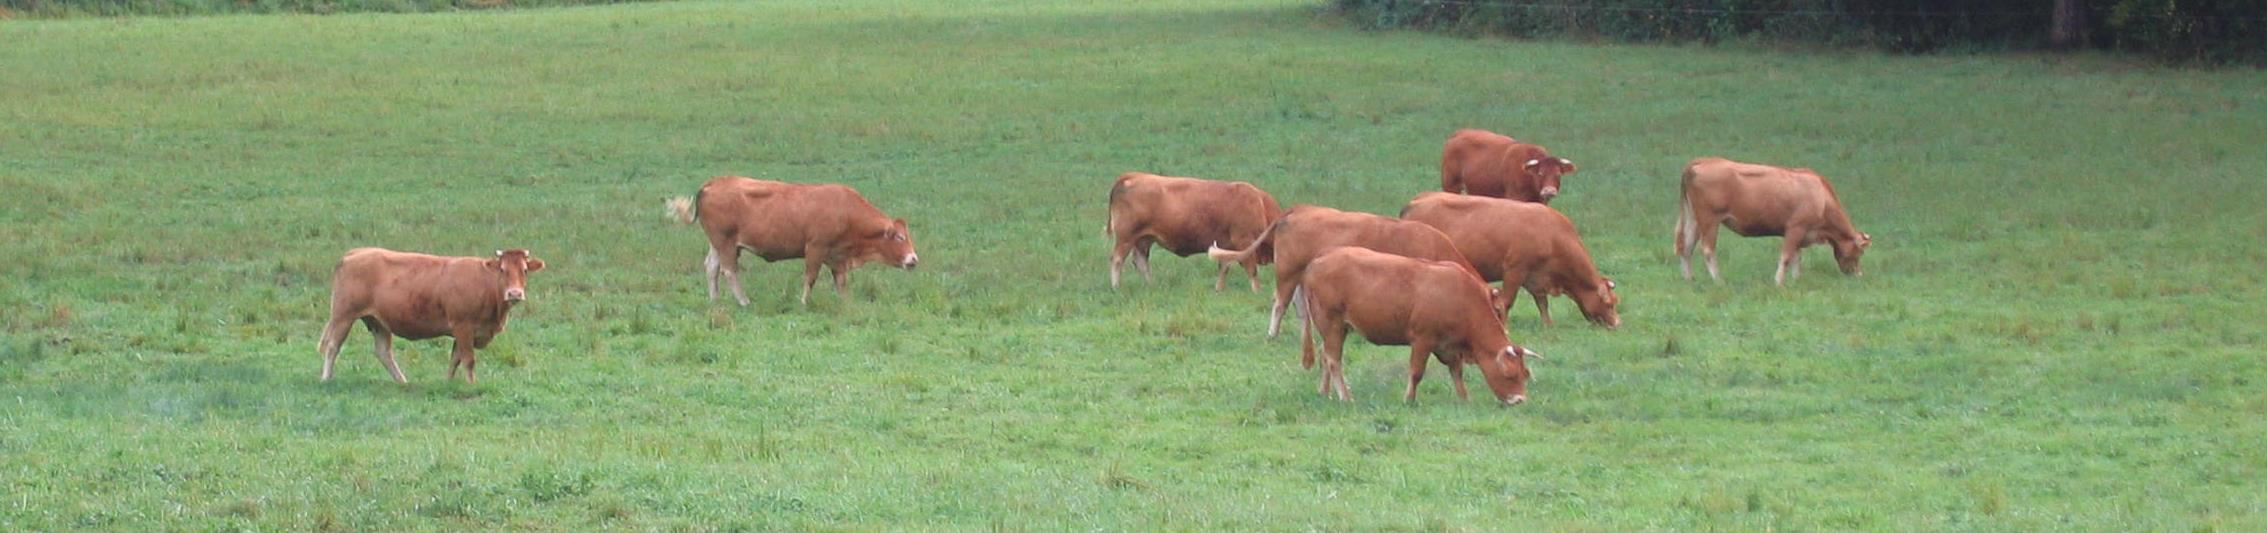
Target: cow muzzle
515	295
1515	399
911	260
1549	193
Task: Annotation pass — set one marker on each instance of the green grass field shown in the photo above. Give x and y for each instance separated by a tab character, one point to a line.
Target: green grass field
2060	326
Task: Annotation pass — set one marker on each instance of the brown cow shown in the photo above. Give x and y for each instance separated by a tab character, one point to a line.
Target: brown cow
1524	245
1759	201
1436	308
1186	216
420	296
1306	231
1485	163
825	225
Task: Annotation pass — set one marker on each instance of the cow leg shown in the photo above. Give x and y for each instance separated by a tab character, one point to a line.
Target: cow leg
1251	272
1510	297
1275	309
1333	351
334	335
385	348
724	261
1684	249
1456	375
461	355
709	272
1220	282
841	280
1795	264
1420	353
1141	258
1790	251
1334	366
1542	304
728	264
1307	321
811	264
1707	229
1118	258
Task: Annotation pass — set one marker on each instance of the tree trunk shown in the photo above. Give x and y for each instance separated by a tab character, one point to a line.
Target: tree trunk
2069	30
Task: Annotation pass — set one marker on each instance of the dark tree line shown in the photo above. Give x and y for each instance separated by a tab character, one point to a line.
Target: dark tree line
2206	31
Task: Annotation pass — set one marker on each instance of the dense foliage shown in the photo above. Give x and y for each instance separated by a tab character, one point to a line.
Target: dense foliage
106	8
2214	31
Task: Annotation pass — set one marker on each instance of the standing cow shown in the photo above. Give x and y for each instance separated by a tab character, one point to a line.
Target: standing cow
1186	216
1436	308
1306	231
1524	245
825	225
1759	201
1485	163
420	296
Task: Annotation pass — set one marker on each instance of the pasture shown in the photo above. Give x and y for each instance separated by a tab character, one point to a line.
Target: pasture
2059	326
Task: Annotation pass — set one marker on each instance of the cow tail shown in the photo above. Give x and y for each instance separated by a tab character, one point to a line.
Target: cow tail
337	282
1259	245
1117	189
1688	231
1306	328
685	210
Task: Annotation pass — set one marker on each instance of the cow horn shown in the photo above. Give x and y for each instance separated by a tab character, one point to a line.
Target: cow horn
1533	162
499	253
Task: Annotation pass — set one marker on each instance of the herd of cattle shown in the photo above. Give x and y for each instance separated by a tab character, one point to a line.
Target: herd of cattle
1419	280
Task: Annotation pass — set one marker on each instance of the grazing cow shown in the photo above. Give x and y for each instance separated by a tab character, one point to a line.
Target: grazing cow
1306	231
1485	163
420	296
1186	216
1760	201
1524	245
825	225
1436	308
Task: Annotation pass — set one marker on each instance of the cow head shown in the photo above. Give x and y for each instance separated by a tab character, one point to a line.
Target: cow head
892	244
1546	171
1598	304
1846	252
1506	370
515	264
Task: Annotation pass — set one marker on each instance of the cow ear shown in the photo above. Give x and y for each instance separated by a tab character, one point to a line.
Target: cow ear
900	225
534	264
494	264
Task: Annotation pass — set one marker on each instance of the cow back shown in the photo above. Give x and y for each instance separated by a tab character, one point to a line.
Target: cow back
1307	232
1188	215
1393	299
781	220
1496	234
417	295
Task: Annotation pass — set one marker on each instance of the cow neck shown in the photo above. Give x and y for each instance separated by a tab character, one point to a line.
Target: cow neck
1838	226
1579	261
